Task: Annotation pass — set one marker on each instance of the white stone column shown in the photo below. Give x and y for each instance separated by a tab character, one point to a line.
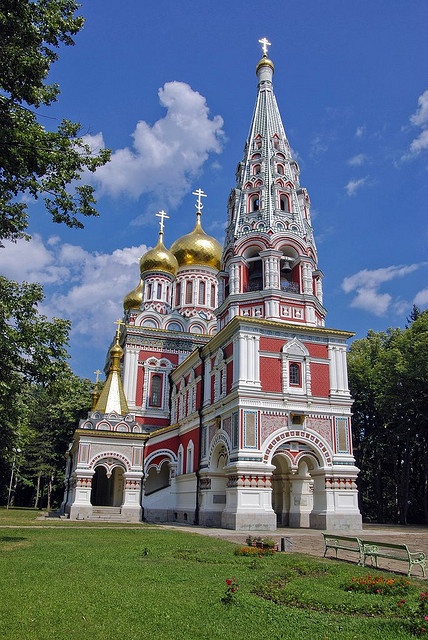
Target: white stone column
82	506
131	507
307	277
332	368
207	381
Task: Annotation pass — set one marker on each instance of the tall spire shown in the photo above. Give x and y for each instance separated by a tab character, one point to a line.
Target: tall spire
269	246
268	196
112	397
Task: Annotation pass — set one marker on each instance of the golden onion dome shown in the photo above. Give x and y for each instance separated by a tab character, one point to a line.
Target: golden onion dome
265	62
159	259
197	248
134	298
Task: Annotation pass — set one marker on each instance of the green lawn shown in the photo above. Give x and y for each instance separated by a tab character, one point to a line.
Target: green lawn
78	582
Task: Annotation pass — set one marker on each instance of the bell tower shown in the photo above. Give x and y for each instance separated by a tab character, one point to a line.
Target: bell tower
270	263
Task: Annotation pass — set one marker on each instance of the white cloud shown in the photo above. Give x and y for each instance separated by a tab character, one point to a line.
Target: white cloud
420	143
353	185
165	157
358	160
87	288
421	298
359	133
419	119
365	285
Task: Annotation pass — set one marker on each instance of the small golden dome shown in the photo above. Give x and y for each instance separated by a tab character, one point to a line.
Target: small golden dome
265	61
197	248
134	298
159	259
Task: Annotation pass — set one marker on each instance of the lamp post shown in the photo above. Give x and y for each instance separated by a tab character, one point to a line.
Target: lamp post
15	451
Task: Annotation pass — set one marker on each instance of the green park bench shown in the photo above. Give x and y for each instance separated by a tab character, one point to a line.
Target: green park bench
374	550
345	543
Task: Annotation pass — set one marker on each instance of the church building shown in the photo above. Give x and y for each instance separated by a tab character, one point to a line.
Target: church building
227	401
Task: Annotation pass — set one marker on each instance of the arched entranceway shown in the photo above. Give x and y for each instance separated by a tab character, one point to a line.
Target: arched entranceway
293	489
213	485
157	478
107	488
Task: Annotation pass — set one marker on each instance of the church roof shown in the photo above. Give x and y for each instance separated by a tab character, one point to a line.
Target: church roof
112	397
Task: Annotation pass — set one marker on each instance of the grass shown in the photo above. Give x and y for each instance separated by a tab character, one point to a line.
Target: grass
74	582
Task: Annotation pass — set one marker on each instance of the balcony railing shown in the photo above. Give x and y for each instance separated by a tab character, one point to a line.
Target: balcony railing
293	287
257	285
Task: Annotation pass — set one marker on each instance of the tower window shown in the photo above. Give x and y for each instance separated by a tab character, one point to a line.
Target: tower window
159	291
255	276
149	291
212	295
254	203
256	169
189	292
294	374
155	396
284	203
201	298
280	169
177	294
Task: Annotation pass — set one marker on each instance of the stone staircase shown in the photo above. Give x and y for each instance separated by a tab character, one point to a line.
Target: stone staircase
107	514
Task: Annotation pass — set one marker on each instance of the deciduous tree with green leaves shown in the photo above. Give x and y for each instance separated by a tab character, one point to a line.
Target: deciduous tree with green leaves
54	411
33	350
388	376
36	161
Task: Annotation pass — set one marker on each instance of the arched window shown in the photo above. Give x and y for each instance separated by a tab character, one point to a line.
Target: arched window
155	396
201	298
284	202
256	169
189	292
189	457
149	291
159	294
177	294
213	303
254	203
255	276
280	169
294	373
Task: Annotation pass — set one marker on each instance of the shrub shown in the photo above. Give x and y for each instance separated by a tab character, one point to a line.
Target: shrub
254	552
378	584
416	616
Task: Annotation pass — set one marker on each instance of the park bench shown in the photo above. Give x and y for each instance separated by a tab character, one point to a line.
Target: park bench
345	543
375	550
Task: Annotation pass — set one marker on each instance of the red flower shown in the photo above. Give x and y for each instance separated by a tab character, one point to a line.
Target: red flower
228	582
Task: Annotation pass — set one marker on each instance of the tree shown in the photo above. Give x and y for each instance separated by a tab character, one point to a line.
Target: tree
54	412
33	350
388	374
33	160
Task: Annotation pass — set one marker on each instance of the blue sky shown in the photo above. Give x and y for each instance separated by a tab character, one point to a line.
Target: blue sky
170	88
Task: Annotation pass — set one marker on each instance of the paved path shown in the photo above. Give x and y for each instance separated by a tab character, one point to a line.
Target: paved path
311	541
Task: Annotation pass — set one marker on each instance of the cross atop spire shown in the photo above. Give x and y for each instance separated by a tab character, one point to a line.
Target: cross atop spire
162	215
199	206
265	44
97	373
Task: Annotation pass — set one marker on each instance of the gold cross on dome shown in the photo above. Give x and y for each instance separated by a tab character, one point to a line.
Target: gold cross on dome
199	206
265	44
97	373
162	215
119	324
